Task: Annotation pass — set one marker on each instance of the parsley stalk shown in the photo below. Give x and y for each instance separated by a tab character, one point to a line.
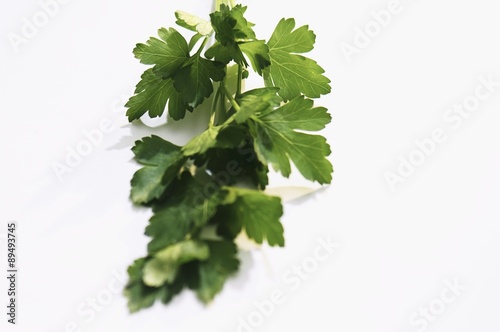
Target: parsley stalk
230	96
239	81
196	191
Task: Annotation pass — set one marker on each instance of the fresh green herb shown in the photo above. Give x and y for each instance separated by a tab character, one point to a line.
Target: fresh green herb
208	191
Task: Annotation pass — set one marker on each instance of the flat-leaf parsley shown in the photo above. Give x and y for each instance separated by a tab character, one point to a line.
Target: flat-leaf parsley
205	193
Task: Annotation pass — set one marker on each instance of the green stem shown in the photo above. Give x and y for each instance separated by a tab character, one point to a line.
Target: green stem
222	107
214	107
239	80
231	98
205	41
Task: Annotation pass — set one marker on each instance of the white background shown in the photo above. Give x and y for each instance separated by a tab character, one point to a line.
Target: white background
398	247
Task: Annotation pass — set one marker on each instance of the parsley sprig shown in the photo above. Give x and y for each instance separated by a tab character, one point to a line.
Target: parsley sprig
205	193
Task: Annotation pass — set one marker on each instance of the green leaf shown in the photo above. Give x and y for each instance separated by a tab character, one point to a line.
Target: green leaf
162	161
255	212
237	165
284	38
231	135
190	205
164	265
258	53
141	296
138	294
168	226
230	25
300	114
193	23
152	94
202	142
242	28
232	30
194	81
194	40
223	24
293	73
277	141
168	54
226	53
214	137
213	272
256	101
168	291
181	80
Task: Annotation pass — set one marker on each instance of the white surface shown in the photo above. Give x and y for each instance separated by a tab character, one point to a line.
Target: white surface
398	248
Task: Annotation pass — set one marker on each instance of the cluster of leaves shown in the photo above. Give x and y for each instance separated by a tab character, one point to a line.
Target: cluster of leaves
210	190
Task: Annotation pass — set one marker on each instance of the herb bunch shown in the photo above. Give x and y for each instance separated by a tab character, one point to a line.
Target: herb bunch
207	192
